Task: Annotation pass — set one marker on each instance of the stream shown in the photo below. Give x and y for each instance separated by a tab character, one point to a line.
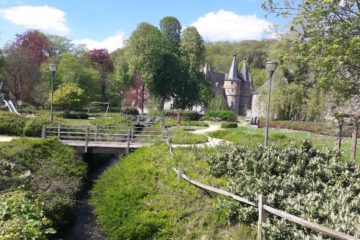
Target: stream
84	226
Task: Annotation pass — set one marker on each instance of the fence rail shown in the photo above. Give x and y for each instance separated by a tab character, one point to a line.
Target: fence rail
262	207
101	134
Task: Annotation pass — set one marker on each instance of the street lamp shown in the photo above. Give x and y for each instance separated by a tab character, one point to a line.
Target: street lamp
52	68
270	67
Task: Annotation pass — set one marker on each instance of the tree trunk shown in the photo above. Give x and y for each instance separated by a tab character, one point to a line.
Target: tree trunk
354	139
339	125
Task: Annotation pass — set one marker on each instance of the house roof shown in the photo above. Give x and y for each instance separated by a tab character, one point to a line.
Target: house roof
233	72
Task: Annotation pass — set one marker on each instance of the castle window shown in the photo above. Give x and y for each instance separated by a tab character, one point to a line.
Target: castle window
231	82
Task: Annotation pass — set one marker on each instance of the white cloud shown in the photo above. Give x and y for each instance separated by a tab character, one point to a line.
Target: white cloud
111	43
44	18
228	26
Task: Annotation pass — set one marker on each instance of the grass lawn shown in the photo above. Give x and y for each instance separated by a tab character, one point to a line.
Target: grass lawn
179	136
251	137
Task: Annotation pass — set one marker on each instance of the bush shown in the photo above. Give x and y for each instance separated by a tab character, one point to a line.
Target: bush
33	126
48	169
185	137
113	121
140	197
305	182
80	115
229	125
11	123
22	217
223	115
185	115
130	111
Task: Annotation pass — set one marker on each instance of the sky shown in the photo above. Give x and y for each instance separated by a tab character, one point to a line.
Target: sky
107	23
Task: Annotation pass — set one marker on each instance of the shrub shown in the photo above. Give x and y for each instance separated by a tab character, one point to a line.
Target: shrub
130	111
33	126
140	197
50	170
172	123
11	123
305	182
229	125
185	137
80	115
113	121
22	217
185	115
223	115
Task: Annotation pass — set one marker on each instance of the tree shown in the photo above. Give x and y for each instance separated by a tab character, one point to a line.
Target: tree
329	31
103	63
146	50
36	42
171	28
59	45
68	96
192	82
21	72
70	70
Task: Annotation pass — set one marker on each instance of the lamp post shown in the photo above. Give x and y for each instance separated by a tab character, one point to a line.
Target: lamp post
270	67
52	68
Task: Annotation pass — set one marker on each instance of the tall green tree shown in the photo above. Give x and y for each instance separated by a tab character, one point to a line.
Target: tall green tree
147	52
171	28
192	86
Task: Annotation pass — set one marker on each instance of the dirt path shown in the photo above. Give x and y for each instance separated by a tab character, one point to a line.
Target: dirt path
212	128
7	138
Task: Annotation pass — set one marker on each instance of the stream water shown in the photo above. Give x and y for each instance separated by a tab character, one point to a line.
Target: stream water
84	225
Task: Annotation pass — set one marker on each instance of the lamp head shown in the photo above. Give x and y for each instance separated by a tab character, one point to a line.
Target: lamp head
52	67
271	67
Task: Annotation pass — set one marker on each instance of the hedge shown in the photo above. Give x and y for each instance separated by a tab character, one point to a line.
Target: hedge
186	115
221	115
229	125
11	123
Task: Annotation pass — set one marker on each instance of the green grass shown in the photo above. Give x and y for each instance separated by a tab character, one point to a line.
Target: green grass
251	137
141	197
179	136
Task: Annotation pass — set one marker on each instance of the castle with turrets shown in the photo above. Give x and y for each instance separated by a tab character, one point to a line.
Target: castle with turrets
236	86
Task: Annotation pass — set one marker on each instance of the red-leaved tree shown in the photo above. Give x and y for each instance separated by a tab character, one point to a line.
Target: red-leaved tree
136	96
103	63
36	42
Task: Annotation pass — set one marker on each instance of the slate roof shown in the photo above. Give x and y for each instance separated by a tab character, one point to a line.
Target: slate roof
233	72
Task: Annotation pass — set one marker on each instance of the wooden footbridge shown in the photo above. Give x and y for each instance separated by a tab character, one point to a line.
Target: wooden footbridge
106	139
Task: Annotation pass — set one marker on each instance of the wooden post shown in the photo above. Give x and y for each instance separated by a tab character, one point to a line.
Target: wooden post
86	139
354	139
261	216
43	131
96	132
132	133
59	130
128	142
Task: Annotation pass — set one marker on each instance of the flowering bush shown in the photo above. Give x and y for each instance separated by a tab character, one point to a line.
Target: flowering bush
314	185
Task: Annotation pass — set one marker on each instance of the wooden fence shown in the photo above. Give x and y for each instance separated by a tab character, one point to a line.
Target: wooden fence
263	208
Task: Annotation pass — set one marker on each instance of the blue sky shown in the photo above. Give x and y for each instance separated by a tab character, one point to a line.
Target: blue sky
107	23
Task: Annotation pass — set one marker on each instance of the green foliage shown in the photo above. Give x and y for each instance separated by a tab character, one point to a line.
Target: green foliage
140	197
130	111
229	125
186	115
223	115
171	28
11	123
72	70
33	126
51	171
305	182
179	136
22	217
218	103
68	96
113	121
172	122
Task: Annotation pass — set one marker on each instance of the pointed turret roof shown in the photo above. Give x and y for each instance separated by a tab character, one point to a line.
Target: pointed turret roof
233	73
246	75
